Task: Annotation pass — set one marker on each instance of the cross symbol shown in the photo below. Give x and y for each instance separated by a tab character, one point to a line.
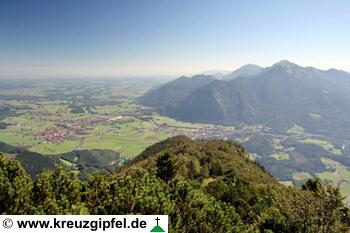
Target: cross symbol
157	219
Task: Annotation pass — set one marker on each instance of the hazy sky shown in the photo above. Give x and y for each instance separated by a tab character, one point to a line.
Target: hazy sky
168	37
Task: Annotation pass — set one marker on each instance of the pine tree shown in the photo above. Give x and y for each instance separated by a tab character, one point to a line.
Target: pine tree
165	167
16	188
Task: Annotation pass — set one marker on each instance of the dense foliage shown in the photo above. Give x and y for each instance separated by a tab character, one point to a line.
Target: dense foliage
204	186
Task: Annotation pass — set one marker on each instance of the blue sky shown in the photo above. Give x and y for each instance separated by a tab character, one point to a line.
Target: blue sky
168	37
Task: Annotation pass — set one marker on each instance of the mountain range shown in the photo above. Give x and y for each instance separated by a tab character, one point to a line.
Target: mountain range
279	97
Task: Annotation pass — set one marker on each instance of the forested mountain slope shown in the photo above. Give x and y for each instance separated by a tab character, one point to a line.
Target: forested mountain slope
173	93
279	97
204	186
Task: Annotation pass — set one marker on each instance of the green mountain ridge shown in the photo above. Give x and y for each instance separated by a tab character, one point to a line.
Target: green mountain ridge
204	159
83	161
204	186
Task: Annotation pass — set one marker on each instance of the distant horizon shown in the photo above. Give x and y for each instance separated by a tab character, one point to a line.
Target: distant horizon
116	38
55	75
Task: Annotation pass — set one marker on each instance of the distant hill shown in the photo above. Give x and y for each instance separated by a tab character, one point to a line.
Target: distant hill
88	161
33	163
84	161
279	96
244	71
171	94
218	74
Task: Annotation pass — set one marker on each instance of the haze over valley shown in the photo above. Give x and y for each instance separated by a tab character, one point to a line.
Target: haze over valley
293	120
224	116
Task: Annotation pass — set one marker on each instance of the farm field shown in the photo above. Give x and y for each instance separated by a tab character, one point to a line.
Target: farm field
65	116
59	116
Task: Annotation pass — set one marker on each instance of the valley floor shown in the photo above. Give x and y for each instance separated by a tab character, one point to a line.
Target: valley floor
60	117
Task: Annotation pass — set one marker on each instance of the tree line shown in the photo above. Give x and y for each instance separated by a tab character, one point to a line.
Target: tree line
196	183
